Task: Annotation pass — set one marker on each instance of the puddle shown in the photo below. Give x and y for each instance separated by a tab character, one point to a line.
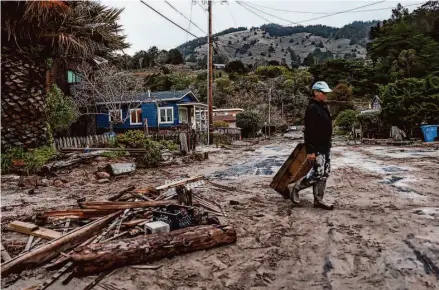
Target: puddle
392	180
265	161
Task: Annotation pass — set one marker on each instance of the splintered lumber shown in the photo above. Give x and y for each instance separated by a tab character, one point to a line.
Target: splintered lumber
120	205
77	213
121	193
5	255
52	249
102	257
148	190
34	230
180	182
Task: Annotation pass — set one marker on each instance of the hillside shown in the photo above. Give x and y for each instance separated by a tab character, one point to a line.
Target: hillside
298	45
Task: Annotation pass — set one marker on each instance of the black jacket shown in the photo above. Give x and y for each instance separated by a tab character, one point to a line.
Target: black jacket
318	128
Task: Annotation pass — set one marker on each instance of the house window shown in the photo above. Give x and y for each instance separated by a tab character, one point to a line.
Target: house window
166	115
73	78
183	115
136	117
115	116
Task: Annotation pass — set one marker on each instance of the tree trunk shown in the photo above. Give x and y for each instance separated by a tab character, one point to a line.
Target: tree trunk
23	100
96	258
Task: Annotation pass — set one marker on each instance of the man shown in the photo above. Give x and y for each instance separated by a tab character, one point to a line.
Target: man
318	133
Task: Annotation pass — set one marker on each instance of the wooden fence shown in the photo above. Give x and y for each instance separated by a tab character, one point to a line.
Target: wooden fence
101	141
82	142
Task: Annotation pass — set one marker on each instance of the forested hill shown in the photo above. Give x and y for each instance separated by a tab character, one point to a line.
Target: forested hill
275	42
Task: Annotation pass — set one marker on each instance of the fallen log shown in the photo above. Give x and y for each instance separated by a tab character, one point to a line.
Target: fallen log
119	205
71	161
98	258
52	249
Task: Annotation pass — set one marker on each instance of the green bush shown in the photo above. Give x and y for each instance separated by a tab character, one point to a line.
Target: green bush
271	71
60	110
220	124
29	162
170	145
249	122
221	139
346	119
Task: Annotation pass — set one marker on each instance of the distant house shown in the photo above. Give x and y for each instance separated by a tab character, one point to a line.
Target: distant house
227	115
374	105
159	110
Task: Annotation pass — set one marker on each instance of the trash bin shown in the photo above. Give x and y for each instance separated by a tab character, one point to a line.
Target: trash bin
430	132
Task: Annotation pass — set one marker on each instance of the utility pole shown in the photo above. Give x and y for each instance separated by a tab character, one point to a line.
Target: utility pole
210	71
269	112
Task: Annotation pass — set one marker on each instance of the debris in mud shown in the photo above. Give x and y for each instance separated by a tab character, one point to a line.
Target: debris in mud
170	220
116	169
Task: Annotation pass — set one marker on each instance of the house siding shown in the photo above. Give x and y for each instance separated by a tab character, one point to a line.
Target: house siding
149	112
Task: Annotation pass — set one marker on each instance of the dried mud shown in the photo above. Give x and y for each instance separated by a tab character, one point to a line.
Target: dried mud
383	234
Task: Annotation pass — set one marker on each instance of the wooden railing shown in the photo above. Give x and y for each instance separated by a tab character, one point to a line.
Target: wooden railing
82	142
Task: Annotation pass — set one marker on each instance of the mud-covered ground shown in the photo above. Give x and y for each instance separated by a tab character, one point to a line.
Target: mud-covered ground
383	234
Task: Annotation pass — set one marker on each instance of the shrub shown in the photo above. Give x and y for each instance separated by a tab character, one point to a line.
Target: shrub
249	122
169	144
271	71
220	124
60	110
221	139
29	162
346	119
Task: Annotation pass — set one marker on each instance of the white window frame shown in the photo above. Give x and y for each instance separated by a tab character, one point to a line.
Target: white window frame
160	115
187	116
140	121
109	114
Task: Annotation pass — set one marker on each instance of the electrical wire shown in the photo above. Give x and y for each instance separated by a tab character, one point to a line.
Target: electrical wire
326	13
231	13
189	28
168	19
253	12
190	20
250	6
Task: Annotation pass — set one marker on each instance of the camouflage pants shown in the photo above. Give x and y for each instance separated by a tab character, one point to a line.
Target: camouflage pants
316	178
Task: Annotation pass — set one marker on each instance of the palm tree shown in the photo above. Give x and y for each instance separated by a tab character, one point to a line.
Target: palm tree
37	35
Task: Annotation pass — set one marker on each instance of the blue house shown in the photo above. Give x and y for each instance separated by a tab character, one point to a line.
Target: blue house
154	110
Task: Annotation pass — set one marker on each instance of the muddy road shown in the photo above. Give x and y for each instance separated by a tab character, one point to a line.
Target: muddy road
383	233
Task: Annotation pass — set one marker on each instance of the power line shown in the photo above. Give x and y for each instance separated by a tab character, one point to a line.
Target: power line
190	21
253	12
341	12
248	5
326	13
231	13
169	19
188	28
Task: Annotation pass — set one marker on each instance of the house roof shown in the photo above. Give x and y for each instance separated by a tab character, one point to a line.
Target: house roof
157	96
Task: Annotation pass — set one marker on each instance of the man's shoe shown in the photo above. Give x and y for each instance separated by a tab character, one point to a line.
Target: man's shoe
324	206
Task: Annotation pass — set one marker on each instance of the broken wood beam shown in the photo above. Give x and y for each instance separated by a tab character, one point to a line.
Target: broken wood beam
34	230
77	213
180	182
52	249
121	193
5	255
119	205
102	257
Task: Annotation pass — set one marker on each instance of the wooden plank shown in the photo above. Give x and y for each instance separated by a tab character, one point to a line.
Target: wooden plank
126	205
5	255
23	226
29	243
180	182
77	213
121	193
34	230
134	223
294	168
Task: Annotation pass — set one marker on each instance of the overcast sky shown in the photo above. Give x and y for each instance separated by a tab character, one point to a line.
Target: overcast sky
146	28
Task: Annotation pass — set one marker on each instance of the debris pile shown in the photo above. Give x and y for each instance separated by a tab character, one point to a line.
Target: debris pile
134	226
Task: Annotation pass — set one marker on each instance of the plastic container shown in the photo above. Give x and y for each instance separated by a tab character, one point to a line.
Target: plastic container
430	132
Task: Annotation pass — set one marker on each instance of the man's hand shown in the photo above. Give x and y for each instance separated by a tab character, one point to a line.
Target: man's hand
311	157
